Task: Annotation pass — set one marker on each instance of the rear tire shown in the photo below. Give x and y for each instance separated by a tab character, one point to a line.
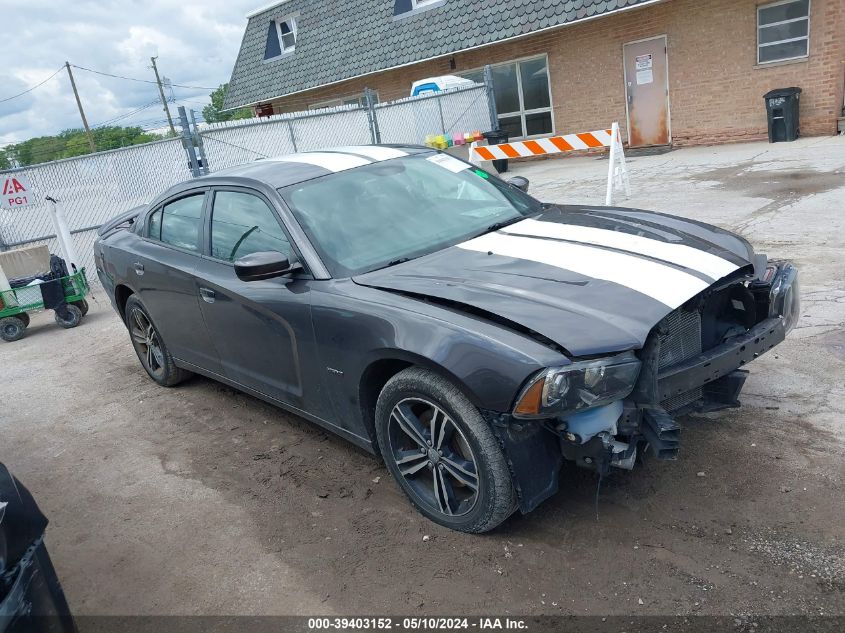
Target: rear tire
72	318
12	328
442	453
149	346
23	316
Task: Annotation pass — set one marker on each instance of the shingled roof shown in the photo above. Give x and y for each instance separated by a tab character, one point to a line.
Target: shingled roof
339	40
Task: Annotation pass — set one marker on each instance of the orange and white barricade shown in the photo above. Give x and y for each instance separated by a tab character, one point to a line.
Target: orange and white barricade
617	173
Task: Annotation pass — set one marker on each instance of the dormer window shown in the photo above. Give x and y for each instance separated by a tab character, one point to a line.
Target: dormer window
402	8
281	37
287	34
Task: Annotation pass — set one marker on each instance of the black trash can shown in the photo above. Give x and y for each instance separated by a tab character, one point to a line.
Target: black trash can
496	137
782	110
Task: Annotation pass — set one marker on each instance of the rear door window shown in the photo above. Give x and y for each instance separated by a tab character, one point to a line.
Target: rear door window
241	224
181	221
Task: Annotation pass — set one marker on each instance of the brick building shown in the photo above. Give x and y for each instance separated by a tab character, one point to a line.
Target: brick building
670	71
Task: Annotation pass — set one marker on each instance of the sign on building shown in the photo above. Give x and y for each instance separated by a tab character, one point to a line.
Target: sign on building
16	191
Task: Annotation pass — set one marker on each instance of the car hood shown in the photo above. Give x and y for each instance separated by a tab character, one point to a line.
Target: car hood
591	279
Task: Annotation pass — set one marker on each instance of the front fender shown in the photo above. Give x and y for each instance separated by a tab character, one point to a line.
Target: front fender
357	326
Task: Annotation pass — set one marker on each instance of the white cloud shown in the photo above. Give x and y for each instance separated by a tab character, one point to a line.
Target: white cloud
196	42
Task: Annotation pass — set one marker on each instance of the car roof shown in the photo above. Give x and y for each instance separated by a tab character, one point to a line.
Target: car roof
290	169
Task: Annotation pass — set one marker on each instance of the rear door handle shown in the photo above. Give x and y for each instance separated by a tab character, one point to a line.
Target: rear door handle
207	295
139	268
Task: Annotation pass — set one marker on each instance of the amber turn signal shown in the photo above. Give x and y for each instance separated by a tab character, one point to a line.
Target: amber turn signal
529	403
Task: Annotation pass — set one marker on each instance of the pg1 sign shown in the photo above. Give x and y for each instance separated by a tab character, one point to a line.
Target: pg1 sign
16	191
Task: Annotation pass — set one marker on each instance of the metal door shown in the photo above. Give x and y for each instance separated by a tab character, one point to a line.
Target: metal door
647	91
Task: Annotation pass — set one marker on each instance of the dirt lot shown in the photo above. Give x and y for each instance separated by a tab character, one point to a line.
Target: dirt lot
200	500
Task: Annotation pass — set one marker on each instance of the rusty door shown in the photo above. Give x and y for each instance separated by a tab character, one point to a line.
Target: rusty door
647	92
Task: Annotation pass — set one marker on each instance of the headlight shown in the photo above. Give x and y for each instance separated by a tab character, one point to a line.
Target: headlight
784	299
560	390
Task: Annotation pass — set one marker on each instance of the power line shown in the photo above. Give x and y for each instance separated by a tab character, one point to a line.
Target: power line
143	81
20	94
126	115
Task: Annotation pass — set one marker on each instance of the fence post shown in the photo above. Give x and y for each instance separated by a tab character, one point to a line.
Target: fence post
199	144
375	134
292	135
188	143
440	109
491	97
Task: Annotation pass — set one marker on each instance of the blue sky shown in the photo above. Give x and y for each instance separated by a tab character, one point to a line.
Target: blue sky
196	42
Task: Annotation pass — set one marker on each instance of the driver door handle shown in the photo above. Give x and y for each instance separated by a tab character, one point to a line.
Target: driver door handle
207	295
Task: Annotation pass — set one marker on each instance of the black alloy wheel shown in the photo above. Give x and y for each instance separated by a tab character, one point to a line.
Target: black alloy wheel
434	457
147	343
442	452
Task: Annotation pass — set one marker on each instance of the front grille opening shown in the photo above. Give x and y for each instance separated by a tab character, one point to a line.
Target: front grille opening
681	341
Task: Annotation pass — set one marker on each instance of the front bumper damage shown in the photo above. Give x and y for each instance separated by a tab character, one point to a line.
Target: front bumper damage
612	436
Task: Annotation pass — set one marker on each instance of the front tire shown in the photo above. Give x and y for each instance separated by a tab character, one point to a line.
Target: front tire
150	348
442	453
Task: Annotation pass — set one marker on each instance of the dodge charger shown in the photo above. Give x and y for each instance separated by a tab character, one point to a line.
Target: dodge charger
470	335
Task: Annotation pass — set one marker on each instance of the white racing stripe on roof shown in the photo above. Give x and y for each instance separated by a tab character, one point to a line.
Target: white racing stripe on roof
327	160
706	263
371	151
665	284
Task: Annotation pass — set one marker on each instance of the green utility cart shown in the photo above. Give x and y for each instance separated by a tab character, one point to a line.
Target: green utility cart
17	303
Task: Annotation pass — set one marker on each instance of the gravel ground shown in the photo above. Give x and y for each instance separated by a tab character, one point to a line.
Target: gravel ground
201	500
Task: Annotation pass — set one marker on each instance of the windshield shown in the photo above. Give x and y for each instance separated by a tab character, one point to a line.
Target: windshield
372	216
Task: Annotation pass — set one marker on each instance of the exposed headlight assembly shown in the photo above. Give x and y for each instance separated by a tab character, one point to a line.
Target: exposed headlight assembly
558	391
784	299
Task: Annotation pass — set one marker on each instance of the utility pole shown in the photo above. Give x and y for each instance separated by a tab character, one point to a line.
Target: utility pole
81	111
163	100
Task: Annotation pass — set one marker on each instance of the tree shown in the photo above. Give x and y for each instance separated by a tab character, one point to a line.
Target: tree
70	143
213	112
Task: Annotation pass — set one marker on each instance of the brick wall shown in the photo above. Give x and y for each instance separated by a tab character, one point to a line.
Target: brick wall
715	86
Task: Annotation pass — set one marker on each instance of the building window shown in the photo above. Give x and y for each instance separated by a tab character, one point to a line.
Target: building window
287	34
783	31
523	100
281	38
359	100
409	7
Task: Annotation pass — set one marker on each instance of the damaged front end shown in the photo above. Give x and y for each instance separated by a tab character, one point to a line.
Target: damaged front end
609	410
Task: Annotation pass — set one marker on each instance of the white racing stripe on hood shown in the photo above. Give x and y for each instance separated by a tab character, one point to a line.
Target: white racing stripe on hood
371	151
666	284
327	160
711	265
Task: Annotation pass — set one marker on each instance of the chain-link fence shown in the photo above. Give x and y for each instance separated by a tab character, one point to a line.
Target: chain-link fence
95	188
408	121
234	143
91	189
455	111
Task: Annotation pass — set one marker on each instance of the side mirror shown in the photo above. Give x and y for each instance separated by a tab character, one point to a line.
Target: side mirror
519	182
266	265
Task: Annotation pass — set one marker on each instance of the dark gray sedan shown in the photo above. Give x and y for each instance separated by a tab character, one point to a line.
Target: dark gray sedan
442	318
